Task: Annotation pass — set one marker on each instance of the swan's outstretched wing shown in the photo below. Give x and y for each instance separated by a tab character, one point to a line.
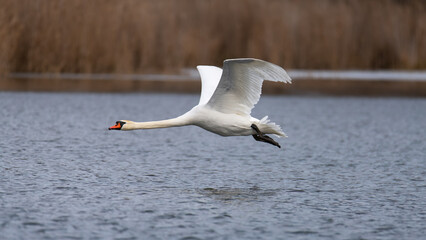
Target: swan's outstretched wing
210	76
240	86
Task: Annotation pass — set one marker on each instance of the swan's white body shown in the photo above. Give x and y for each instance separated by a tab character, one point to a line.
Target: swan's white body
227	98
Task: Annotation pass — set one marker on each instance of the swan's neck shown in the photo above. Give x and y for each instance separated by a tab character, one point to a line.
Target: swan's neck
174	122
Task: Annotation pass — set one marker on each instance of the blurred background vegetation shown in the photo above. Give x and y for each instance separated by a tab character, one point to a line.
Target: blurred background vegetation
141	36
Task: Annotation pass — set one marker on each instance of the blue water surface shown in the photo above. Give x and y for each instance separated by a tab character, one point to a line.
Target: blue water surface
351	168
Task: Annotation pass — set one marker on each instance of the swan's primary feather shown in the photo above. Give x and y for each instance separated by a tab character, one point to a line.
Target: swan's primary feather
210	76
240	85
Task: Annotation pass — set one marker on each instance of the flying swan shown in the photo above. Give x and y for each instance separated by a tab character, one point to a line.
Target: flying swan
227	98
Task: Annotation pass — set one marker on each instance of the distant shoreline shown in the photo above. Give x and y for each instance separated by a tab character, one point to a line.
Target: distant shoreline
338	83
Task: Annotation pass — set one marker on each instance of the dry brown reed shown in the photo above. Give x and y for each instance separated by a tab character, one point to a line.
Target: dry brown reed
135	36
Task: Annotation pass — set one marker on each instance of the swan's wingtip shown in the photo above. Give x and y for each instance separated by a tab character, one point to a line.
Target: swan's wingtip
241	60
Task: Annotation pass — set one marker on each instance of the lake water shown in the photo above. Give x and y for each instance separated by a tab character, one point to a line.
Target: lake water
351	168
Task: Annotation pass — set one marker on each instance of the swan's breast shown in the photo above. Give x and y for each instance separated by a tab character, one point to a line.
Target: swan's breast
221	123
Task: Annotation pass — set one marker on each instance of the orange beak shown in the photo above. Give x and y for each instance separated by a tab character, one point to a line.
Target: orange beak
115	127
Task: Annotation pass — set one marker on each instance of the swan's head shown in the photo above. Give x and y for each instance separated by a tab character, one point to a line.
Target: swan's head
121	125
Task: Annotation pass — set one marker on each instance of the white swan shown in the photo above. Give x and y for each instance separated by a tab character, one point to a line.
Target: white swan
227	98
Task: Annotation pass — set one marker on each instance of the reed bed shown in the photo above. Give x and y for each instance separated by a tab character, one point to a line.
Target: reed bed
140	36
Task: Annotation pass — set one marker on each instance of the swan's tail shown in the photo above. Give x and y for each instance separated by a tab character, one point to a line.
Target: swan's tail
270	128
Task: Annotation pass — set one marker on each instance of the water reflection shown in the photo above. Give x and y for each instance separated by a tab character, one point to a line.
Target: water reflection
227	194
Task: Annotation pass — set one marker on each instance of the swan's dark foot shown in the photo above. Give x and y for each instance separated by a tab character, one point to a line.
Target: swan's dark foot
266	139
262	137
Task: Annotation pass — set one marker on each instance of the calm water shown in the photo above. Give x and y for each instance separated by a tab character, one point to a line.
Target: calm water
352	168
